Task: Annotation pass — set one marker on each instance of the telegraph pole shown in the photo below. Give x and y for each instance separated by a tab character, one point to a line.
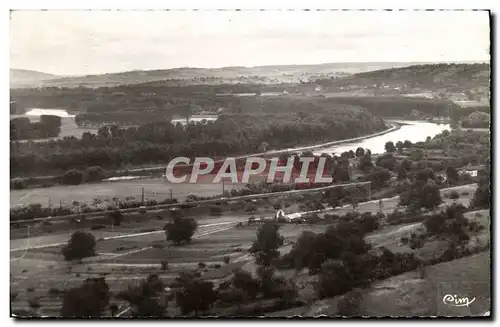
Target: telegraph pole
171	195
142	197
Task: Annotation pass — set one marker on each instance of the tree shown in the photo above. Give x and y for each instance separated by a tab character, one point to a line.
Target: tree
431	196
452	175
389	147
379	177
244	281
399	146
417	155
73	177
50	125
180	229
88	300
303	248
403	169
360	152
116	217
265	247
333	279
421	195
146	299
349	304
482	196
365	162
194	295
387	161
80	245
454	195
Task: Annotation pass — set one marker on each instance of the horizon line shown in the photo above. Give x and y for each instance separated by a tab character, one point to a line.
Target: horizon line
259	66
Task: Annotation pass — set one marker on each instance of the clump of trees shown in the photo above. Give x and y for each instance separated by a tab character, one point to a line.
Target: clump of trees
476	119
80	245
422	194
265	247
22	128
88	300
161	141
146	299
193	294
482	196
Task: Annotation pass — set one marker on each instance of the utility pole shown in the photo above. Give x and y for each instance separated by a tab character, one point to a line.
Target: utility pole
171	195
223	187
142	197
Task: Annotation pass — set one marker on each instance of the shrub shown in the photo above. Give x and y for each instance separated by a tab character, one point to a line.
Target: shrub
97	227
226	259
215	210
18	184
72	177
116	217
95	173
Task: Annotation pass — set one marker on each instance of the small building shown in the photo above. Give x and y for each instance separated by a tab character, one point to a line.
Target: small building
289	217
472	173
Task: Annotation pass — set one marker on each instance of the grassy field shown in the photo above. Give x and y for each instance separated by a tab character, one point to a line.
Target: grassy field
42	269
154	189
408	295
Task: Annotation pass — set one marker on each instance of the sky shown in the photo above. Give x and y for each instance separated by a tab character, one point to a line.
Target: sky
96	42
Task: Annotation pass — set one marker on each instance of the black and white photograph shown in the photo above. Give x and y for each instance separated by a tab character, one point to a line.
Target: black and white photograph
250	163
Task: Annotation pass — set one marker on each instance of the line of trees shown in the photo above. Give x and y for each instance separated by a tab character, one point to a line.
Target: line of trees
21	128
160	142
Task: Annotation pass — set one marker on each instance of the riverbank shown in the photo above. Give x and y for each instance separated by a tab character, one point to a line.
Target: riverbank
44	180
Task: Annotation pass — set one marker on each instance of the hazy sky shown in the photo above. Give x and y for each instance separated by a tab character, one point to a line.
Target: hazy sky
93	42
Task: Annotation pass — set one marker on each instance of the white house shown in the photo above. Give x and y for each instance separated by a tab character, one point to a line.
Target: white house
289	217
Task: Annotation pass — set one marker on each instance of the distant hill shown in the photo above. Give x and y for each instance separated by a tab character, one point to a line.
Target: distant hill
429	76
20	77
273	74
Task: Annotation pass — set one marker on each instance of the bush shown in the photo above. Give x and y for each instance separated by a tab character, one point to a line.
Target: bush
215	210
97	227
226	259
72	177
454	195
89	300
349	304
116	217
18	184
94	174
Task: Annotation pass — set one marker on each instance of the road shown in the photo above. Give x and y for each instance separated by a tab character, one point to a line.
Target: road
168	206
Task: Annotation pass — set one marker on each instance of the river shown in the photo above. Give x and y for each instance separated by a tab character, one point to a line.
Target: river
414	131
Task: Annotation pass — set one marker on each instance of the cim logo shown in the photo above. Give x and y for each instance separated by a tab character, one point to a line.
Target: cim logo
455	301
